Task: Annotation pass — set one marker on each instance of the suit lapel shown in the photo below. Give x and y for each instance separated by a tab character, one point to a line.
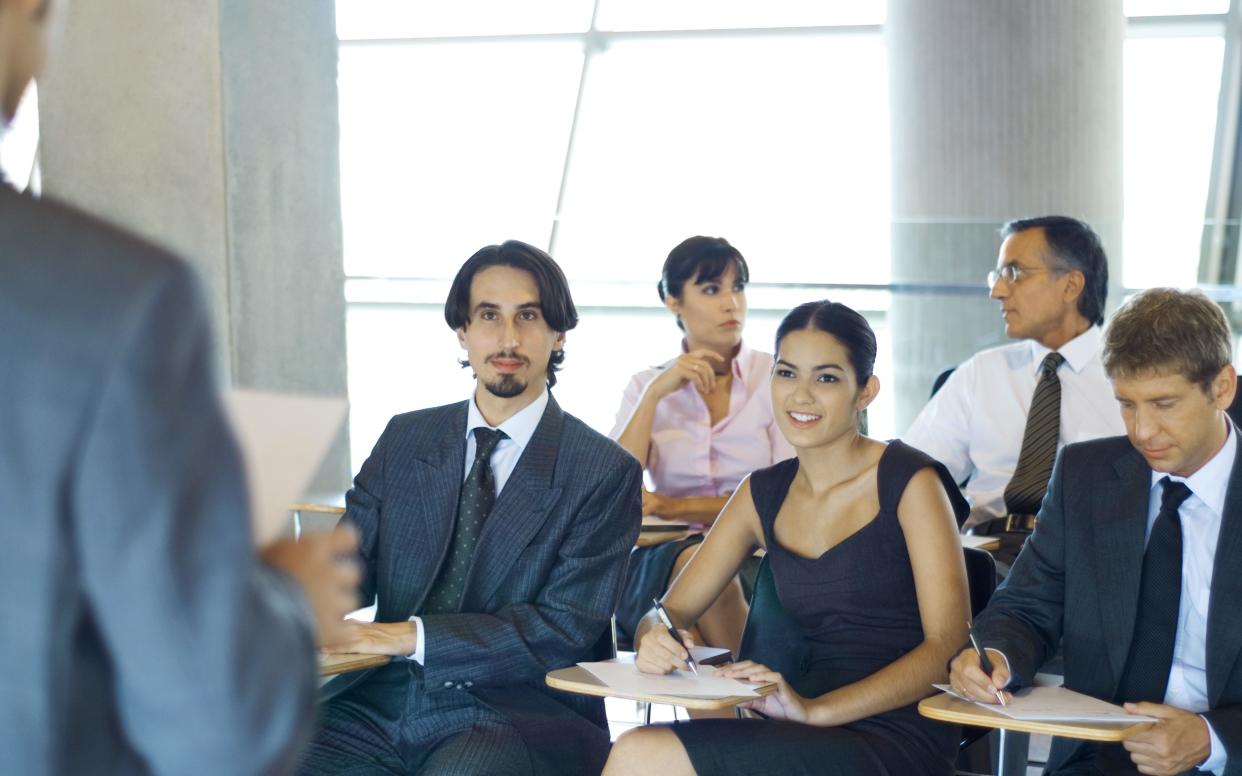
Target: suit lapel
520	511
438	460
1224	628
1119	528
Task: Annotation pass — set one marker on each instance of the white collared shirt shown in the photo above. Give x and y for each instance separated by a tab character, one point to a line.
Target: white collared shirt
519	428
975	422
1201	516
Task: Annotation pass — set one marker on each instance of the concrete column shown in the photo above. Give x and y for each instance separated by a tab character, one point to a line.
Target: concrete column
211	127
1001	109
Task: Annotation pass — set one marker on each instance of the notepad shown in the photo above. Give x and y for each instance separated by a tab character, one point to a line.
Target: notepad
283	439
1056	704
626	679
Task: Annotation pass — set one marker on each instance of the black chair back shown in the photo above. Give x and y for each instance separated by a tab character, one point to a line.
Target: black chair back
771	636
939	381
981	578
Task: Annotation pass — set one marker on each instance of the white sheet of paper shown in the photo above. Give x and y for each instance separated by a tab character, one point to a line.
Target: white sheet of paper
283	439
625	678
707	653
1056	704
970	540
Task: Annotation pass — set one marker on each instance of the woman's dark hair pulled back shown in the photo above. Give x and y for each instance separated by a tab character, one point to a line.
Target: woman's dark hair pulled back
842	322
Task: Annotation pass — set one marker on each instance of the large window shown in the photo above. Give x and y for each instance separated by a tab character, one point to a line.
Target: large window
1172	81
608	130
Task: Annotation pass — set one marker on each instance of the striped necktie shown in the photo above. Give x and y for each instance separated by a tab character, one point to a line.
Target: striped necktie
1025	490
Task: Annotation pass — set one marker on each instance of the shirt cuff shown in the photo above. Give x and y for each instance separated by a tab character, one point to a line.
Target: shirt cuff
1013	682
1217	758
420	641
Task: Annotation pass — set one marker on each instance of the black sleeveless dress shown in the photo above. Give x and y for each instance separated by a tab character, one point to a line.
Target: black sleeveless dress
857	609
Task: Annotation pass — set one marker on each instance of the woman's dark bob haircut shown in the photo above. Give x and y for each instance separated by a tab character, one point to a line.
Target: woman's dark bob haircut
555	302
699	260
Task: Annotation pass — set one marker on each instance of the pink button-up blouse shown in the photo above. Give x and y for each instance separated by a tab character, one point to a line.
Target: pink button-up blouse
691	457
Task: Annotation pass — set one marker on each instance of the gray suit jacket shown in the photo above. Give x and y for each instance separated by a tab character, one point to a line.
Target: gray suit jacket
1077	579
546	573
138	633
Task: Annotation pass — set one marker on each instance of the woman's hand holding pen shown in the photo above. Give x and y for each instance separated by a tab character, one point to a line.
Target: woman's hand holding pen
695	367
659	653
785	703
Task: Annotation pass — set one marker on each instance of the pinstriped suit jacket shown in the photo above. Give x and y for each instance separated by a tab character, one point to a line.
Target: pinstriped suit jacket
548	567
139	633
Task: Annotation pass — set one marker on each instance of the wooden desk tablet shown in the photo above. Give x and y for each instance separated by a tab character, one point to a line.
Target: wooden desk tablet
322	509
577	679
658	531
344	662
946	708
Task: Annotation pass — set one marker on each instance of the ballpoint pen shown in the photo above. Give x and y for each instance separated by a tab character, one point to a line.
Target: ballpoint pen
676	636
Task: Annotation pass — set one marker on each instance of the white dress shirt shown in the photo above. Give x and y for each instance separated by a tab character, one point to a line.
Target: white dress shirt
975	422
1201	516
519	429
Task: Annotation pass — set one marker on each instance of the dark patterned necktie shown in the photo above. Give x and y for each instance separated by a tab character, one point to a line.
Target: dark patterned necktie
1160	594
478	494
1025	490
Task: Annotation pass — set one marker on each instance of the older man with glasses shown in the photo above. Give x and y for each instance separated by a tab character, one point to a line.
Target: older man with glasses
999	420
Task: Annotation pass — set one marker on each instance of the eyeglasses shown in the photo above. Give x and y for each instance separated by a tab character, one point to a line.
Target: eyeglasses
1012	273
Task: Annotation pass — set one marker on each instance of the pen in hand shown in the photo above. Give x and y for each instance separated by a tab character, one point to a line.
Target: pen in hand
984	663
659	608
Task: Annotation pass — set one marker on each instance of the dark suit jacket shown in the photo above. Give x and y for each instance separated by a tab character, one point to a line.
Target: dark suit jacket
137	630
1077	579
546	573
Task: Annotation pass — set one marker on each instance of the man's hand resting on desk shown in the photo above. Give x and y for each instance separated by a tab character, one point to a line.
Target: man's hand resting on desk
968	680
1175	744
319	563
378	638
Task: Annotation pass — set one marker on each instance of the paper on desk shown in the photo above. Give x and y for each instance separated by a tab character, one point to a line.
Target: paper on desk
1056	704
970	540
283	439
707	653
626	679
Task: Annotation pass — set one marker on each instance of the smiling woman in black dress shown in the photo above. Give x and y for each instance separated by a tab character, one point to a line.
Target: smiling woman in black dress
866	558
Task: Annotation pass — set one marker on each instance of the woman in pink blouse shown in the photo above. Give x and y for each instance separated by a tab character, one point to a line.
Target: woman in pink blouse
699	423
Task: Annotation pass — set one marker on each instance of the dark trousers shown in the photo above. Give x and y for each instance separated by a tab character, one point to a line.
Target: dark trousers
392	724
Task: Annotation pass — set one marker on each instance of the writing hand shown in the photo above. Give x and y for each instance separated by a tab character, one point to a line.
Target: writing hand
967	678
659	653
